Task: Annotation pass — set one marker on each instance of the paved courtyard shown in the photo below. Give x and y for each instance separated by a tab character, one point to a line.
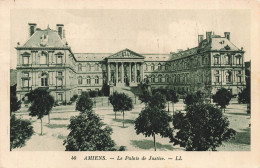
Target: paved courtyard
55	132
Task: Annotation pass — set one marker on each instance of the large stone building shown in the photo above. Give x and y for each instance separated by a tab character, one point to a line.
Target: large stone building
46	60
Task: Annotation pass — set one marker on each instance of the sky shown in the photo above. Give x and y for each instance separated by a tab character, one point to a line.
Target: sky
140	30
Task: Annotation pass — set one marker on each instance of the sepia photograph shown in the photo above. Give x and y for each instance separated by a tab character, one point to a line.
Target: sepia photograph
153	82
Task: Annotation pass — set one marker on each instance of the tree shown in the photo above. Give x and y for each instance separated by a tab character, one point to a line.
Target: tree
153	119
14	103
202	128
121	102
41	103
193	98
222	98
20	132
245	97
145	95
87	133
84	103
173	98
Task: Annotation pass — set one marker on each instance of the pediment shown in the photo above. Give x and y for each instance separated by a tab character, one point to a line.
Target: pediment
126	53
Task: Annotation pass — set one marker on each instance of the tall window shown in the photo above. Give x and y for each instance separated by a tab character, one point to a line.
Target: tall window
216	60
25	82
217	76
43	58
60	96
159	78
96	80
239	76
228	60
229	76
159	67
167	78
59	59
25	60
238	60
166	67
88	67
88	80
80	80
152	79
96	67
80	67
59	82
44	79
152	67
145	67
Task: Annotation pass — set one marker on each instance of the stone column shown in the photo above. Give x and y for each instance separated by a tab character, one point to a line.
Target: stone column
116	73
108	73
130	73
122	72
135	75
142	71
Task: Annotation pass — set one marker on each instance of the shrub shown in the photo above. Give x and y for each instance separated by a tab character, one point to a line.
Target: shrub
93	93
20	132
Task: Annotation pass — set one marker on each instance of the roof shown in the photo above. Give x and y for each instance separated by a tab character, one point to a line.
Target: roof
217	43
45	38
156	57
102	56
91	56
221	44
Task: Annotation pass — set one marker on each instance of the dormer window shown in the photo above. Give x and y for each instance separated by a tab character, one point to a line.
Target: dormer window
43	58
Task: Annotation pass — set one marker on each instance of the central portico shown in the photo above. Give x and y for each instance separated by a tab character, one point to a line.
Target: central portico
125	68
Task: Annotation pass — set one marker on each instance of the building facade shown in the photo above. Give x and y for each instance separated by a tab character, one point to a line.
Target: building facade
46	60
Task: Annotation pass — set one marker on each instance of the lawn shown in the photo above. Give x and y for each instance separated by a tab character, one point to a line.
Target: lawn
55	132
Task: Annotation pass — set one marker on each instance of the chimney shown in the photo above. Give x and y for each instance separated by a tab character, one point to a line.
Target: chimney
208	36
227	35
32	28
200	38
59	28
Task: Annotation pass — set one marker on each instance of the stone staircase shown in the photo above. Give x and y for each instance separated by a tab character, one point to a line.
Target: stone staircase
124	89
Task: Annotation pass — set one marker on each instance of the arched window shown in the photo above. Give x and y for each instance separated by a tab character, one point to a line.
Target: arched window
229	76
43	58
159	78
152	79
80	67
96	67
80	80
167	78
145	67
159	67
152	67
44	79
88	80
96	80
